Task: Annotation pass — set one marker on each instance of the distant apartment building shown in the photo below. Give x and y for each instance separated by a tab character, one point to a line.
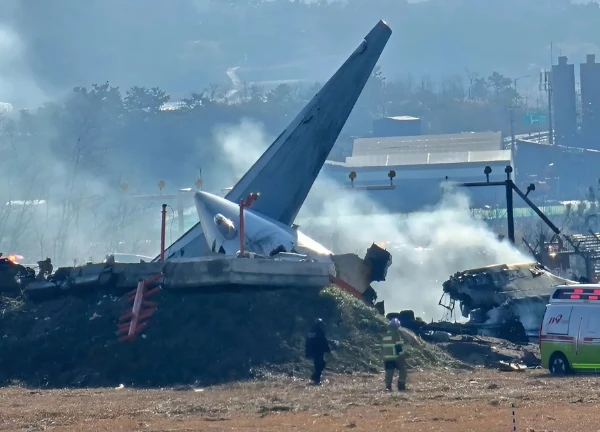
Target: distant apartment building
590	102
564	102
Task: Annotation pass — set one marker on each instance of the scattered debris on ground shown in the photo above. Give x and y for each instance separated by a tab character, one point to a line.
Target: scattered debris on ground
462	342
491	352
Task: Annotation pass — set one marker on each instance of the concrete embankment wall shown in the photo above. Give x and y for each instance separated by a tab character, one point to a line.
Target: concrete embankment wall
200	275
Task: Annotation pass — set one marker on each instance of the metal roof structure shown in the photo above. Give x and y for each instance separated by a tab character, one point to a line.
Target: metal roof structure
401	159
428	144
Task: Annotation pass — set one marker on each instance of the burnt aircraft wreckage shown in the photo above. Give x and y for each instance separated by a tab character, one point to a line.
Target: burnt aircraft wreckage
505	300
281	179
285	173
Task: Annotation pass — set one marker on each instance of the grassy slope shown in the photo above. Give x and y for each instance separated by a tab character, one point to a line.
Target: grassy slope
192	338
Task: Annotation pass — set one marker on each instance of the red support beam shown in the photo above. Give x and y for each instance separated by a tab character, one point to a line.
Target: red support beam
163	229
137	304
242	227
133	322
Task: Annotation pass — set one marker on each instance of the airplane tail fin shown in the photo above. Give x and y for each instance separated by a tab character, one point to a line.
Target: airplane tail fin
285	173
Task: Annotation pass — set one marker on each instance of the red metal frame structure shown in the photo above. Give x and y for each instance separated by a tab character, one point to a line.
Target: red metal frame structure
248	202
142	309
242	227
163	229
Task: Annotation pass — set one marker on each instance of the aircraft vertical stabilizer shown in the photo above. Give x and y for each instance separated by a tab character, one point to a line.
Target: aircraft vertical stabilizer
285	173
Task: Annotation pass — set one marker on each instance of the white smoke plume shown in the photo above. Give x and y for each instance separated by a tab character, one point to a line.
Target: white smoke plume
17	84
242	145
427	246
51	206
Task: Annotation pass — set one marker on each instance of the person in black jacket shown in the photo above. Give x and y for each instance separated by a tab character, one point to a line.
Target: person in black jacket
316	348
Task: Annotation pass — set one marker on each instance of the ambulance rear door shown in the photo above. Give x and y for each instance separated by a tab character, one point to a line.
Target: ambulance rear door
557	320
558	331
587	353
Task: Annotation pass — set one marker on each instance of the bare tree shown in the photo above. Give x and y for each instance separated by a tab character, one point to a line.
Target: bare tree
426	84
244	93
472	77
214	91
16	189
452	88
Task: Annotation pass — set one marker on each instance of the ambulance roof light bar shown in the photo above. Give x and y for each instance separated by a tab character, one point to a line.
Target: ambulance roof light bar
590	292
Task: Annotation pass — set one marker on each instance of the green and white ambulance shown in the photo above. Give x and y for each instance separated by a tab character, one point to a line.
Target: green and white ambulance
570	331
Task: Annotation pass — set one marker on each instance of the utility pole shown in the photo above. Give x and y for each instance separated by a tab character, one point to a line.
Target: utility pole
546	85
550	123
512	127
515	104
509	187
549	81
537	109
515	83
510	220
512	118
550	129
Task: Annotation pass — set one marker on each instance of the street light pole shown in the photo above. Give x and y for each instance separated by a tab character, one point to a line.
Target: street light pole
546	85
512	119
517	80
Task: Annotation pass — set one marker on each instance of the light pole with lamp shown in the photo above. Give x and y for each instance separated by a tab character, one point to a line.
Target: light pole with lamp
516	80
512	120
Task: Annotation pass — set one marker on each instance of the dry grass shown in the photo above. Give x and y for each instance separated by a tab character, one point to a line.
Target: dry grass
445	400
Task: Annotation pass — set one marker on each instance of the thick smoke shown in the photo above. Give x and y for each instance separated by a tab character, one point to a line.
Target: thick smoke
17	84
242	145
59	198
427	246
49	210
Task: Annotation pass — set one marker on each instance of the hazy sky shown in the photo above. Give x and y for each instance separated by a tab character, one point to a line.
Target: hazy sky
48	47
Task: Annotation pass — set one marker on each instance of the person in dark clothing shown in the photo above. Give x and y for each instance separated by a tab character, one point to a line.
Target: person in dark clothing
316	348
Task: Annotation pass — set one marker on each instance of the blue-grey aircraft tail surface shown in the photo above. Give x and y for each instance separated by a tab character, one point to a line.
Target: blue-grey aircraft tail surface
286	171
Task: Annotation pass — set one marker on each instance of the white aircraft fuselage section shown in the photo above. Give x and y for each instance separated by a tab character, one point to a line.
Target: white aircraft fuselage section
220	221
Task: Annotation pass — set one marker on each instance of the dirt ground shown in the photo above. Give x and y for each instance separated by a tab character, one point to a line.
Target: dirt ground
448	400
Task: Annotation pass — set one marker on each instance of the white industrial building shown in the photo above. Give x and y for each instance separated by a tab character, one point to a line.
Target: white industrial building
421	164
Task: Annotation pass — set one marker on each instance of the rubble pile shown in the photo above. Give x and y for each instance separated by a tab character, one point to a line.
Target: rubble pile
492	352
510	299
464	343
192	338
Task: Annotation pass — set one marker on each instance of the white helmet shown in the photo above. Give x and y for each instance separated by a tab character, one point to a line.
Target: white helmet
395	323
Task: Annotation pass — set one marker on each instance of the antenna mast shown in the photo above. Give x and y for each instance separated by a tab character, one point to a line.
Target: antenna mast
548	80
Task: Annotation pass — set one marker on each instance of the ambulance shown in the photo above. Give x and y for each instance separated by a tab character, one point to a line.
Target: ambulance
570	331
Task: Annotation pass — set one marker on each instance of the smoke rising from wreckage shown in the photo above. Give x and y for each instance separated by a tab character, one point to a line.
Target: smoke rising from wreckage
505	299
283	176
286	171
